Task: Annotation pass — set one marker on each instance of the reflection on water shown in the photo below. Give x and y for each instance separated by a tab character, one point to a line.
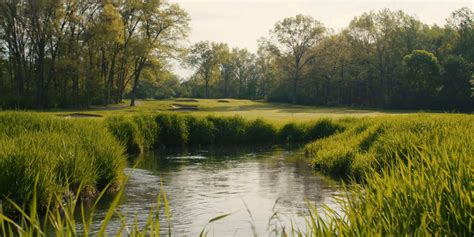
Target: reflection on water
203	184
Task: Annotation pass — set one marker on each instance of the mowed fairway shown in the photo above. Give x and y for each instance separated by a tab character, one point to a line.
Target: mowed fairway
275	112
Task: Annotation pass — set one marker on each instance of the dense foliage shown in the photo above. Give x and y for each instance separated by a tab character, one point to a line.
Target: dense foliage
56	53
81	53
384	59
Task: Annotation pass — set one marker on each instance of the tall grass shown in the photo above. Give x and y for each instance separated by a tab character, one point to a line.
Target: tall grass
201	131
415	172
60	153
173	129
164	130
64	219
417	175
126	131
373	143
425	192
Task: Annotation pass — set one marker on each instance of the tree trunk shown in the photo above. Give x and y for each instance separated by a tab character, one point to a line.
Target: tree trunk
240	88
110	83
226	85
207	89
138	71
40	78
134	90
295	88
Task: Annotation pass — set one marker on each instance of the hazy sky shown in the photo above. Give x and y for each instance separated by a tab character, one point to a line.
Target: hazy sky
241	22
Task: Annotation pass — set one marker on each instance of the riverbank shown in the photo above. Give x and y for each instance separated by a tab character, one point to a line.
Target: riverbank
42	156
414	171
415	174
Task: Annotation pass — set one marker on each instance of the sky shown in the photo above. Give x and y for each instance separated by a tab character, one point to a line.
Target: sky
240	23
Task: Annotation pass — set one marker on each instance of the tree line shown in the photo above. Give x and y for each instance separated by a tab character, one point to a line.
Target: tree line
384	59
71	53
78	53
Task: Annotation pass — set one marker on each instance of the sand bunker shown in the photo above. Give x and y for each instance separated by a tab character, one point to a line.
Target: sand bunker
80	115
181	107
186	100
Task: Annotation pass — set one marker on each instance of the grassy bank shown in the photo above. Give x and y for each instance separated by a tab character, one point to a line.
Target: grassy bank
58	154
63	153
147	131
371	144
417	175
414	172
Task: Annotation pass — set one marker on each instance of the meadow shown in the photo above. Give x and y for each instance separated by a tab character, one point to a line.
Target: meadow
277	113
405	174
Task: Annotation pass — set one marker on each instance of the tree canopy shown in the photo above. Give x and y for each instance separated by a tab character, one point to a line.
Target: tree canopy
81	53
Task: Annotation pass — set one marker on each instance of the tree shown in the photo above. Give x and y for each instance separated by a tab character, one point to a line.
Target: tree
206	57
243	62
162	27
158	83
457	86
292	40
422	71
462	20
226	74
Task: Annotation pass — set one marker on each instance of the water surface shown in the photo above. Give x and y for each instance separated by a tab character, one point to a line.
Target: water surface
250	183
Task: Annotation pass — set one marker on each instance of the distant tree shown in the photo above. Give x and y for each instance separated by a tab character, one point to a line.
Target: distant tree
422	72
266	72
292	39
457	85
162	27
69	53
206	58
158	84
226	74
109	33
242	64
462	20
